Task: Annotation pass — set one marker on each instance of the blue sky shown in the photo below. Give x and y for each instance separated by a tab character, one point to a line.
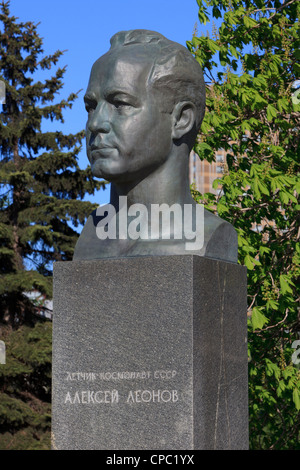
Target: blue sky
84	28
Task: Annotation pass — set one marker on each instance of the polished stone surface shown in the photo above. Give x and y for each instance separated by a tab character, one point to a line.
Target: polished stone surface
150	353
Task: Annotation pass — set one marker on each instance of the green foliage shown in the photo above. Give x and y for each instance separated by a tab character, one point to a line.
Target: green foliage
250	65
41	203
25	388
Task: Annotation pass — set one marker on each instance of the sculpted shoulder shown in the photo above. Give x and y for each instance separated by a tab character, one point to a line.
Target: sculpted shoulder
220	242
88	243
220	238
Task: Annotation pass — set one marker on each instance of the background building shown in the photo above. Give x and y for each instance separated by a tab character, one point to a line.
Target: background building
202	173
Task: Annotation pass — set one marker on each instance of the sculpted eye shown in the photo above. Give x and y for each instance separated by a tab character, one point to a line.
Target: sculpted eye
121	104
90	104
88	108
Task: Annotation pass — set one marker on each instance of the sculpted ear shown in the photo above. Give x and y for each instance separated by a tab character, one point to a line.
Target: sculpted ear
184	116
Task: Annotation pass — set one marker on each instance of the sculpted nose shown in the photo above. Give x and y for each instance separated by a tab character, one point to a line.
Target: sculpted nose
99	122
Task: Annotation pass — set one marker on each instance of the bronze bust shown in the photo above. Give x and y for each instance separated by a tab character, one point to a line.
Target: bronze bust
145	101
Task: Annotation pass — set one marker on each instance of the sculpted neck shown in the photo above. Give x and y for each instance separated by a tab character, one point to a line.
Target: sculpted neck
169	184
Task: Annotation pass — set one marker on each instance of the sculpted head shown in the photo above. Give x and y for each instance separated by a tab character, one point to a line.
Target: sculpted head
145	95
175	76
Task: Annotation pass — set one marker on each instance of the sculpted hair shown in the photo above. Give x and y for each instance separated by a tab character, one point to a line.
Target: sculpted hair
175	75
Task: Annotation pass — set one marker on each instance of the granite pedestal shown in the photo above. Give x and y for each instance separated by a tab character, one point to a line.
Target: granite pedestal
149	353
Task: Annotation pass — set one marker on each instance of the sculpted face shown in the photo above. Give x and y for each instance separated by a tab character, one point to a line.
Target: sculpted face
127	135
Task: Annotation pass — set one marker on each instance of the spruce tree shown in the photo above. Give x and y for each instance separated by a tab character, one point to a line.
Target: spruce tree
42	186
41	204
